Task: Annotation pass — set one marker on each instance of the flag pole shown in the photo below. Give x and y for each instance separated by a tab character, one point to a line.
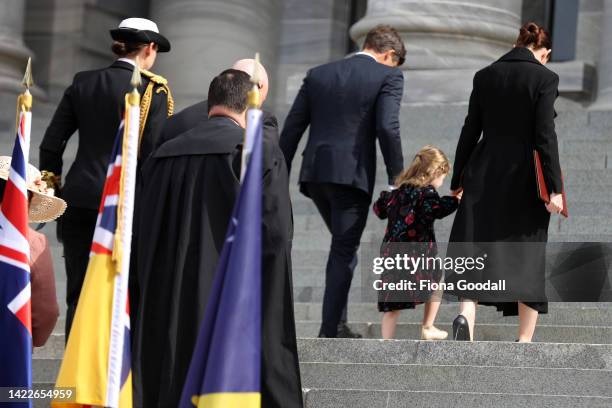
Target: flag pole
253	102
132	100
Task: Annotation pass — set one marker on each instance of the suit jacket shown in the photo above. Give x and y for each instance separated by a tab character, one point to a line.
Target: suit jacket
348	105
93	105
512	108
190	185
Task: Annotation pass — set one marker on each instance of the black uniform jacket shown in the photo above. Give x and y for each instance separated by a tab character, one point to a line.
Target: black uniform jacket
93	105
348	105
190	186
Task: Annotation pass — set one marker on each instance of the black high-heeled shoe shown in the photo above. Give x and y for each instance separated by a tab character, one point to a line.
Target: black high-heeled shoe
461	329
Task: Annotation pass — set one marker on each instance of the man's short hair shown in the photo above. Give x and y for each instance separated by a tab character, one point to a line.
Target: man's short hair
230	89
383	38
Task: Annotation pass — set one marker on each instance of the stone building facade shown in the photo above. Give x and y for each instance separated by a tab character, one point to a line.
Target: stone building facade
447	41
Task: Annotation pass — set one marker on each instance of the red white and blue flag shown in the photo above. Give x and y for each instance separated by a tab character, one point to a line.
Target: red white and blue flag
15	305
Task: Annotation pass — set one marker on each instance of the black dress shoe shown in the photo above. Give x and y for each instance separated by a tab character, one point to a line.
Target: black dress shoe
461	329
345	332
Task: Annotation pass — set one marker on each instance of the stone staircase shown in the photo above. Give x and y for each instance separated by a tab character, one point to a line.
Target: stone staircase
569	365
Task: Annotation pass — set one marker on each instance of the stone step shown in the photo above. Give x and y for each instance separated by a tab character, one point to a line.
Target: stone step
484	331
356	294
53	348
449	378
456	353
559	314
45	370
328	398
394	352
575	224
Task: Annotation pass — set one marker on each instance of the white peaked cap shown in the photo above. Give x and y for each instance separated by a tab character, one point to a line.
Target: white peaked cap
140	30
137	23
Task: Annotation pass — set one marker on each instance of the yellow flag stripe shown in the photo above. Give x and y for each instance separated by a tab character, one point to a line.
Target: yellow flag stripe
228	400
85	362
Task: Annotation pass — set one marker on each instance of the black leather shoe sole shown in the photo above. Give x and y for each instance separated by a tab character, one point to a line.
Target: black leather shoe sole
461	329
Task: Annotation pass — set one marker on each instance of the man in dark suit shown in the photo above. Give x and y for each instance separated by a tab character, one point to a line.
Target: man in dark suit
93	105
348	105
192	182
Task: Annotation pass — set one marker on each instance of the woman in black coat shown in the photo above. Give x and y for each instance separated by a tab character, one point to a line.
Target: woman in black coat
512	106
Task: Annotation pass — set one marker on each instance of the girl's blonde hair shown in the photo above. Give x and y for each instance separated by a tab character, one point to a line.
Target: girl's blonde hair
429	163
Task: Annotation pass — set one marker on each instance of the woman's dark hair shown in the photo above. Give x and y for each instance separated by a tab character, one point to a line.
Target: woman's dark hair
534	36
383	38
122	49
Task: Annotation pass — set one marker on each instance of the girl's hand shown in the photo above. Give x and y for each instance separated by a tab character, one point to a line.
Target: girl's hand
556	204
457	193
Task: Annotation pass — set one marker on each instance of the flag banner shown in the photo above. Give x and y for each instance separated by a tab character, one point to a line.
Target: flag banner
225	368
15	305
97	362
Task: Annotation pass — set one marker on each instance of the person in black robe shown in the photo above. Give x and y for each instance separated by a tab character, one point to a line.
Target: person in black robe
512	106
190	185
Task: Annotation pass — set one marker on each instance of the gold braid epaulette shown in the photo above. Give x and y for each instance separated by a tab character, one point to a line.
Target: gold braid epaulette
145	101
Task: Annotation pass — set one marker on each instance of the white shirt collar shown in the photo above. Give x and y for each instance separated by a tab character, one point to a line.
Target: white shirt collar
368	54
129	61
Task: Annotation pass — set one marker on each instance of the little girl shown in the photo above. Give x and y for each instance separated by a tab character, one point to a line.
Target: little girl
411	209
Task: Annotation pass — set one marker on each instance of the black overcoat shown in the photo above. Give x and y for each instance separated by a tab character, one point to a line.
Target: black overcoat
511	113
190	185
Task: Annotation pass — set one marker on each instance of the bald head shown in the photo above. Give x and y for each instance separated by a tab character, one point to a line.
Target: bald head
248	66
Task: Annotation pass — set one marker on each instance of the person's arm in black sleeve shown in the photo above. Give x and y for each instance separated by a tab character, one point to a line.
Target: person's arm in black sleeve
158	114
296	123
436	207
545	136
388	125
470	133
61	128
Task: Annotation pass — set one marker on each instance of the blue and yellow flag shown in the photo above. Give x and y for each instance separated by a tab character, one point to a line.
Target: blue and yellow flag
226	363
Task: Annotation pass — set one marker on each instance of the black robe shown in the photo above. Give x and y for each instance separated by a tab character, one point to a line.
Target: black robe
191	183
512	107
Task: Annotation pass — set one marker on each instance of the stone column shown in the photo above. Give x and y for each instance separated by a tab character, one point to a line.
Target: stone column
13	57
604	71
312	33
589	30
446	41
207	36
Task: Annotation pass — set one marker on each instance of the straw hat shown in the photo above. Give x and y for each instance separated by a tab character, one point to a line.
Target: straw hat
44	206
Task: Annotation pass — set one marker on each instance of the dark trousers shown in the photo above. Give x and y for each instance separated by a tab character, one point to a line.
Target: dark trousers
345	211
76	231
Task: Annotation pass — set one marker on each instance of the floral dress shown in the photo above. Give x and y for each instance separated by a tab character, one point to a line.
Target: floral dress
411	212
